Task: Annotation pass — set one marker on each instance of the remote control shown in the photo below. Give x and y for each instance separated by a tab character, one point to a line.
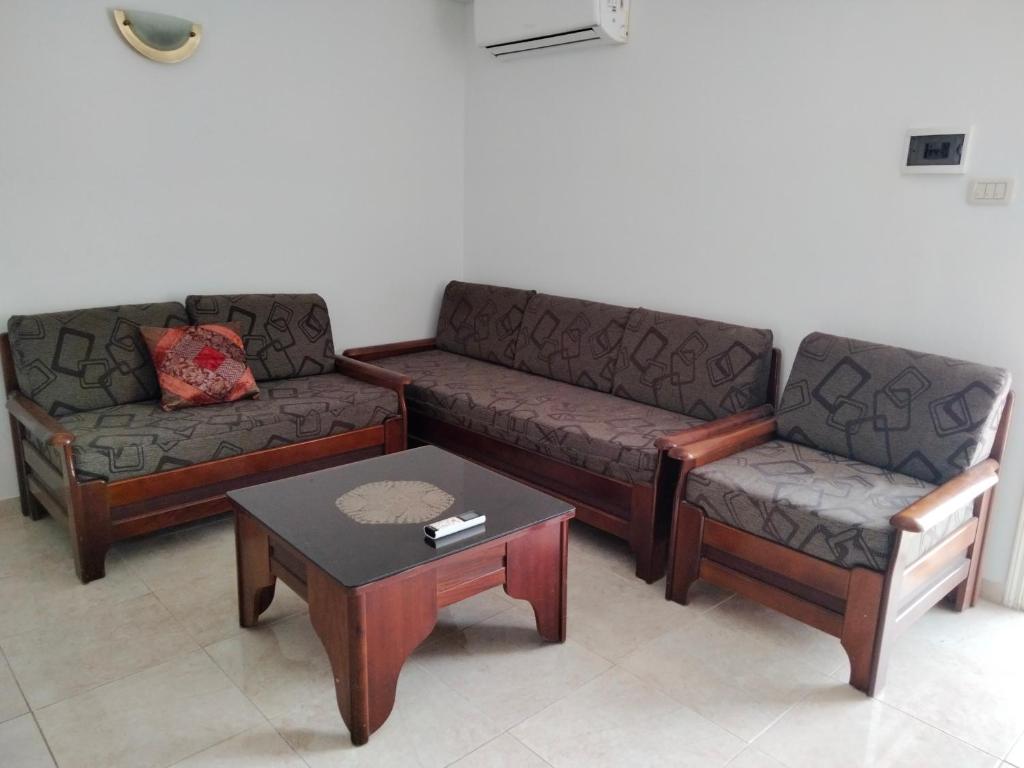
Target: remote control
451	525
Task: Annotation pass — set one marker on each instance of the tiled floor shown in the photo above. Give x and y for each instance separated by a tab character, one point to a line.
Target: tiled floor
148	668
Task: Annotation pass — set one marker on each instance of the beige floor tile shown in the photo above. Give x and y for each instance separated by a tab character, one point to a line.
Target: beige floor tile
12	703
751	757
112	642
617	720
842	728
51	595
22	746
504	668
742	680
192	572
150	719
277	665
614	615
964	674
27	544
473	610
1016	755
590	545
818	650
506	751
430	726
261	747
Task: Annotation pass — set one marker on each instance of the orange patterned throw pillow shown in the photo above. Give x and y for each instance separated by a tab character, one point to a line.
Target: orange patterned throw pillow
199	365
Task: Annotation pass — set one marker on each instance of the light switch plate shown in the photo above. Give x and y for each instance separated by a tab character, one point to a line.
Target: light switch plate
991	191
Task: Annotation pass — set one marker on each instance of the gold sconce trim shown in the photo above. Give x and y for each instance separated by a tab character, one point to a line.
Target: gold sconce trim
164	56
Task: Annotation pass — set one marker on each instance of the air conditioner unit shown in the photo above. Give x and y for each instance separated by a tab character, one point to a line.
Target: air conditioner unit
514	27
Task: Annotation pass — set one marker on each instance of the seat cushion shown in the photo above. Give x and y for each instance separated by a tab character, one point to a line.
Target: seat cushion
88	358
571	340
702	368
828	506
140	438
481	321
921	415
286	334
599	432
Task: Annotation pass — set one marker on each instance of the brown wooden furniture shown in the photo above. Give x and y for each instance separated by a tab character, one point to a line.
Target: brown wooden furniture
99	513
866	609
374	590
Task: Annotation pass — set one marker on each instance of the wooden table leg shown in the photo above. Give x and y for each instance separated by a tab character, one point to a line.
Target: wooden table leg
535	570
368	634
256	582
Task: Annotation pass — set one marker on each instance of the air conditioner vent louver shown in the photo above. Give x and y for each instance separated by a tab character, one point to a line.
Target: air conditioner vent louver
507	27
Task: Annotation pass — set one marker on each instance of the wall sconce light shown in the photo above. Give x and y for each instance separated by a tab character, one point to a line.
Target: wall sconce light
166	39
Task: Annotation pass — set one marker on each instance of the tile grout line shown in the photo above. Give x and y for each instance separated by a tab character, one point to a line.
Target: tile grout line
31	711
943	730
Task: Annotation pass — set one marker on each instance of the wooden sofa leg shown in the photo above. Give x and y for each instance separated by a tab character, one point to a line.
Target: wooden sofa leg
394	435
89	526
647	545
862	625
966	594
29	506
684	552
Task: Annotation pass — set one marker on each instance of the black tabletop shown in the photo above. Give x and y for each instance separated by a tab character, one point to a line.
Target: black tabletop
341	518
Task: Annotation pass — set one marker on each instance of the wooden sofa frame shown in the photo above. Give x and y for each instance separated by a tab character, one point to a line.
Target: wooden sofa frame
99	513
865	609
639	514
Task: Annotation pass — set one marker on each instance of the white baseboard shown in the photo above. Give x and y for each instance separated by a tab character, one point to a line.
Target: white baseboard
993	591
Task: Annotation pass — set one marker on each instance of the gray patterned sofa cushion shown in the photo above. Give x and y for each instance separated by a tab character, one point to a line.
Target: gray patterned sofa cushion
599	432
828	506
922	415
137	439
698	367
571	340
481	321
286	334
88	358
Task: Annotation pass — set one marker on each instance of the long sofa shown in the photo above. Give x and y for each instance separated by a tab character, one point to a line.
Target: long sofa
93	447
582	399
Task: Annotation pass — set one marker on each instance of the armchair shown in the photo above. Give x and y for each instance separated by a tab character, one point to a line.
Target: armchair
860	506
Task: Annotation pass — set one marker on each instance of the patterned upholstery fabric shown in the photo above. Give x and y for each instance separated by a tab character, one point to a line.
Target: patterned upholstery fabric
921	415
599	432
828	506
286	335
571	340
88	358
481	321
698	367
199	365
140	438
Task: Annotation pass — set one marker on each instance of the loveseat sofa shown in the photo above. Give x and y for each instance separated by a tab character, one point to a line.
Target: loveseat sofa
580	398
93	446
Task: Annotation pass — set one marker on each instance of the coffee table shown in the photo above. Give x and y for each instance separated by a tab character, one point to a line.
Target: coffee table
350	541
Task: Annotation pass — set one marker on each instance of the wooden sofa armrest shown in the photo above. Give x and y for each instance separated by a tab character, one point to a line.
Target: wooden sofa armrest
713	428
38	422
745	436
952	495
371	374
366	354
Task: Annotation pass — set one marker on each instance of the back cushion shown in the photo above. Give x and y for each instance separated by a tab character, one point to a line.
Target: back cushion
921	415
88	358
571	340
481	321
286	334
700	368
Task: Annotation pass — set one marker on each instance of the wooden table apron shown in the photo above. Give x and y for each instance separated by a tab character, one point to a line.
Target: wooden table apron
370	630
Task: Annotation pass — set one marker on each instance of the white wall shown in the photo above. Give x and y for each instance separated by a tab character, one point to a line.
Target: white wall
740	160
307	146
